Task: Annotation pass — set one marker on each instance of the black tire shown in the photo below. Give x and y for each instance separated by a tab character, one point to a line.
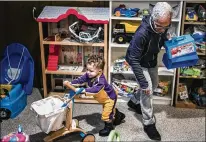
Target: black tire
88	138
4	114
120	39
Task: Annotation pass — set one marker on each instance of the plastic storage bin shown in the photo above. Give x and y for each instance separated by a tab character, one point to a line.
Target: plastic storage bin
180	52
49	113
14	103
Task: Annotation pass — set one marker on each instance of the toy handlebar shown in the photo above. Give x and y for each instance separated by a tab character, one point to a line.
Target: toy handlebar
71	87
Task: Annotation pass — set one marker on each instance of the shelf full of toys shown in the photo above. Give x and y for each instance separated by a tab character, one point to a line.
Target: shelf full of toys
191	89
125	19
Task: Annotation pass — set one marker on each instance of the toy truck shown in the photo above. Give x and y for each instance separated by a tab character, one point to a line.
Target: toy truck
124	31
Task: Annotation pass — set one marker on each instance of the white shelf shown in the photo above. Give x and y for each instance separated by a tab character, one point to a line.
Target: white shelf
119	45
125	72
126	18
165	100
162	71
136	18
126	45
175	20
118	50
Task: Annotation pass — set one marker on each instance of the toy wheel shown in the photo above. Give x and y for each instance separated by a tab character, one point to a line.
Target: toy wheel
88	138
4	113
117	13
120	39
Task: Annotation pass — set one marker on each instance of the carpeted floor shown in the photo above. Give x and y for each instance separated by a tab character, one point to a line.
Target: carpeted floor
174	124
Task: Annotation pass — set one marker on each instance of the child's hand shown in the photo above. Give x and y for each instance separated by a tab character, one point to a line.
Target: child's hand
79	91
65	82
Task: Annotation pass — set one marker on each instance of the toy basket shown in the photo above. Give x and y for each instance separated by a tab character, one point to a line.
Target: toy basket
49	113
180	52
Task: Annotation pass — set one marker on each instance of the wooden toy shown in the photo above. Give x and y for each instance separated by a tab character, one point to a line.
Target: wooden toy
69	127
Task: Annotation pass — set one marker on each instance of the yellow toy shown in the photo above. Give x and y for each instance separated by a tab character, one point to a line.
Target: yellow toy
4	90
124	31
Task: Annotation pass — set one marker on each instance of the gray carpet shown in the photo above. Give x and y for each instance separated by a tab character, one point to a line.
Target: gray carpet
174	124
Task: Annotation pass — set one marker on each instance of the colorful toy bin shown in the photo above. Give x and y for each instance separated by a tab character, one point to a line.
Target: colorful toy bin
13	103
180	52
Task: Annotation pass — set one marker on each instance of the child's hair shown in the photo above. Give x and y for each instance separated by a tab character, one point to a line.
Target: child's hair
97	60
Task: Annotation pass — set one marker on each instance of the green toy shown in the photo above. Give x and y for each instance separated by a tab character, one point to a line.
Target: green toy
190	72
114	136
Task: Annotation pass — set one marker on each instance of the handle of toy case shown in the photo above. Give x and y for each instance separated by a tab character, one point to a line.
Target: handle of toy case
176	39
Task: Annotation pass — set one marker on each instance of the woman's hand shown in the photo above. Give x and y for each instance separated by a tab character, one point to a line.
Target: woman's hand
146	91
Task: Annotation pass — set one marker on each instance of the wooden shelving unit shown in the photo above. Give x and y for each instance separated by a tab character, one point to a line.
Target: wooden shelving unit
54	14
118	50
73	43
189	79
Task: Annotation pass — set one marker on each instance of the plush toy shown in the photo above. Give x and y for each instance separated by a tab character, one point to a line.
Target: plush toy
191	15
199	96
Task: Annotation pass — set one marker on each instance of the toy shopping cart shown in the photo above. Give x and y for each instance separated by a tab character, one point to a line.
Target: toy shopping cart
52	111
180	52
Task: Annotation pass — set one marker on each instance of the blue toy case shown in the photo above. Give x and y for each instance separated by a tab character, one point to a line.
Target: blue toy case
14	103
180	52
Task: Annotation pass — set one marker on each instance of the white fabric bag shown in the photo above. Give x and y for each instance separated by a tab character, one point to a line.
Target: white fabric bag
49	113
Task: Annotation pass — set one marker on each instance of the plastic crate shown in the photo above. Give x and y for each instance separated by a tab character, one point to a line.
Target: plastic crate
180	52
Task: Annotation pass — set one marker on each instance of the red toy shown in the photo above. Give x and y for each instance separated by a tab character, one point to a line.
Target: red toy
53	57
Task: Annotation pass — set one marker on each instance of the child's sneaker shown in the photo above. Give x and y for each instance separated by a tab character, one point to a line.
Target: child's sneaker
119	116
107	129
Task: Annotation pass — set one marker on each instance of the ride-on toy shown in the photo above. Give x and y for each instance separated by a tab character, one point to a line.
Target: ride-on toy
54	117
13	100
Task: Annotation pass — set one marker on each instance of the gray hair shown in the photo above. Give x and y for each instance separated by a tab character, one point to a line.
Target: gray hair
161	9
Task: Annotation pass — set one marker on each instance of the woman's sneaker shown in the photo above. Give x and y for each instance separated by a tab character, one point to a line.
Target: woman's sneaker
152	132
134	106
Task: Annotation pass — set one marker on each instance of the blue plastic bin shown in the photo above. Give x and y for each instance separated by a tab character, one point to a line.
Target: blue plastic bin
13	104
180	52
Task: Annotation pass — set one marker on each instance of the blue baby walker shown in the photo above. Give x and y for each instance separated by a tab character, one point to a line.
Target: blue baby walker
16	82
180	52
